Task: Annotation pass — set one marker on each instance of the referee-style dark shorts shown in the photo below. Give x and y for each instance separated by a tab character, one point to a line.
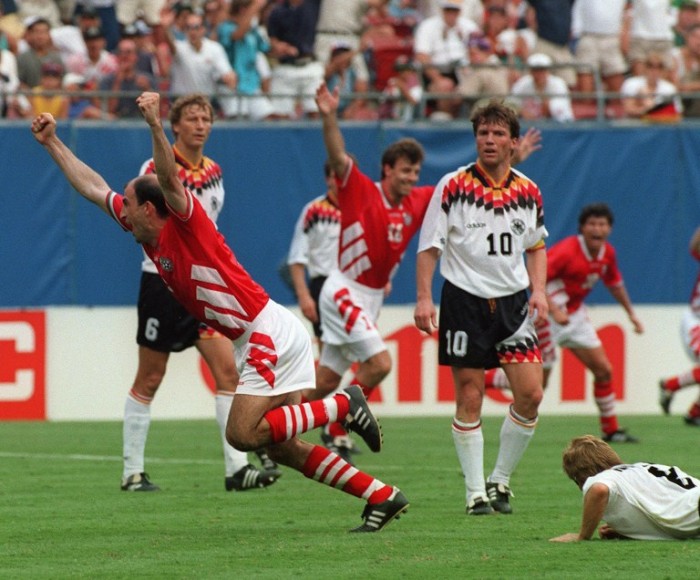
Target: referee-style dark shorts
164	325
315	285
479	332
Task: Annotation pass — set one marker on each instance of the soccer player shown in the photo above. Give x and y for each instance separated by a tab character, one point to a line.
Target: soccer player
481	219
690	329
640	501
378	220
164	326
272	346
574	265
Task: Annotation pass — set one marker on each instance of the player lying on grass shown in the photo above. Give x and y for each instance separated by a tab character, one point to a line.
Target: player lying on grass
640	501
271	345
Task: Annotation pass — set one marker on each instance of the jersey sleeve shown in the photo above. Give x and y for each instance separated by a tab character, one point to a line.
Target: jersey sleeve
114	203
433	233
147	167
612	276
299	248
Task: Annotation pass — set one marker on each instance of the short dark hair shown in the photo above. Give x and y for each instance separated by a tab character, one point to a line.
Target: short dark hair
599	210
146	188
407	148
497	112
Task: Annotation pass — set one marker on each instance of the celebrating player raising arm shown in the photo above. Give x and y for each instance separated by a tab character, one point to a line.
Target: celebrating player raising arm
273	347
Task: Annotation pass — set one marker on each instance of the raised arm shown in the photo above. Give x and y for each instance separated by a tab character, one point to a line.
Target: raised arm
327	103
84	179
163	157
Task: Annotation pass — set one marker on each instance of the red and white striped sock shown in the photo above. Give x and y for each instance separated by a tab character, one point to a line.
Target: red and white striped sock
291	420
328	468
605	400
691	377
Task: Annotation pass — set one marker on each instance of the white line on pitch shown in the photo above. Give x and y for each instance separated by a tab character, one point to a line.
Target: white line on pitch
78	457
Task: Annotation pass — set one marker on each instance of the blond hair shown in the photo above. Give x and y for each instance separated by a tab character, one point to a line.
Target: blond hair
586	456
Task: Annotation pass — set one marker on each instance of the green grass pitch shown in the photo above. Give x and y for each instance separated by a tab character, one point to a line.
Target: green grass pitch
62	514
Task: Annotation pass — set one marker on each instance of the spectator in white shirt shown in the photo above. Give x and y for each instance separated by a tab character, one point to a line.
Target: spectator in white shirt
200	65
440	47
643	94
542	95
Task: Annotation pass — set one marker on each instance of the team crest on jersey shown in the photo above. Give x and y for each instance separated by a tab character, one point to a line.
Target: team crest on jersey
166	264
407	219
517	226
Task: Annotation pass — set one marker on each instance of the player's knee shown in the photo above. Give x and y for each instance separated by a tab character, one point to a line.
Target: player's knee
378	367
146	384
241	440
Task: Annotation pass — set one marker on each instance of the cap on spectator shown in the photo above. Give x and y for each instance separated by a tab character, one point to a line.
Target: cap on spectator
93	32
142	28
130	31
88	12
181	7
339	48
30	21
539	60
52	69
451	4
73	79
478	40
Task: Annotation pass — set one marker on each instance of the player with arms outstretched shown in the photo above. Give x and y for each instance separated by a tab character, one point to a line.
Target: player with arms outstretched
271	345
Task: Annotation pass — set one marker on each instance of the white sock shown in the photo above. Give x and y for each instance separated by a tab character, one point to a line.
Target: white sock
516	433
137	420
234	460
469	443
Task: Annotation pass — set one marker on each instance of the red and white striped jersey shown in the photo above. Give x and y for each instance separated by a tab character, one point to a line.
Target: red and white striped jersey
315	240
374	233
572	271
205	180
695	294
201	270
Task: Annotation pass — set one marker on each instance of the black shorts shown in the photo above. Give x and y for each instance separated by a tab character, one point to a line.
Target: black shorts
315	285
479	332
164	325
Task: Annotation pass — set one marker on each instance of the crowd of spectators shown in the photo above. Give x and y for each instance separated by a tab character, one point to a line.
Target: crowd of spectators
401	59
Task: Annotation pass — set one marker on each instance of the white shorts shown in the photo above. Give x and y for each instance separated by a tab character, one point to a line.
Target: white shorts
690	334
254	107
348	314
274	356
130	10
295	83
579	333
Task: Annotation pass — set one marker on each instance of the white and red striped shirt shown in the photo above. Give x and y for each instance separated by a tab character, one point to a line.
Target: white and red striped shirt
201	270
374	233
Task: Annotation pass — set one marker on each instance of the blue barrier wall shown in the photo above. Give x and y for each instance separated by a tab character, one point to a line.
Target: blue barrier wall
57	249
